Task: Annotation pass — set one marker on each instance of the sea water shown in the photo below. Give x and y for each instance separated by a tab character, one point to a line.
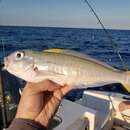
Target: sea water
93	42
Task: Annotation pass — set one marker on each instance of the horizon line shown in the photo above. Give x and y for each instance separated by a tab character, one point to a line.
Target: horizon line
40	26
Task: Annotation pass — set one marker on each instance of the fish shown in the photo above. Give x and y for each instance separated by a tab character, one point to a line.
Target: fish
64	66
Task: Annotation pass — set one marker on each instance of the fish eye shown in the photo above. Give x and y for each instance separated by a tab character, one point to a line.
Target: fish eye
20	55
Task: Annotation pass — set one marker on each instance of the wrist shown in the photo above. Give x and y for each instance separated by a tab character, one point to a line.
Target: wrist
21	123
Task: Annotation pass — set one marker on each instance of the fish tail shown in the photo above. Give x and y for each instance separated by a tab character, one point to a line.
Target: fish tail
126	84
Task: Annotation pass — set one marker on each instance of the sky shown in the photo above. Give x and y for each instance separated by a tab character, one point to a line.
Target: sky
115	14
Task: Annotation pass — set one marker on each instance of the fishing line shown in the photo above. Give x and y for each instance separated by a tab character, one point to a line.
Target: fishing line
108	35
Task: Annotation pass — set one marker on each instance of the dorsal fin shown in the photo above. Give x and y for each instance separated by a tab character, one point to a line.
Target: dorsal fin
80	55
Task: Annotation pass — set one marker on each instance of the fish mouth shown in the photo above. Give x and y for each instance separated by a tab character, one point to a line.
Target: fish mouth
5	64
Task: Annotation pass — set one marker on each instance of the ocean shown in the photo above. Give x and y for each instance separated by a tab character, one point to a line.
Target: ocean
93	42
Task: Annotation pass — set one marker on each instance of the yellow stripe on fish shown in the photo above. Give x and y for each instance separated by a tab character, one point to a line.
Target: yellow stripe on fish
55	50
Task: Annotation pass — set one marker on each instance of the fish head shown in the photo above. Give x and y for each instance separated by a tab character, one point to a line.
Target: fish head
21	65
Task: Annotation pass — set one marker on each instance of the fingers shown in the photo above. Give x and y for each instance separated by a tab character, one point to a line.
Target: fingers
45	85
60	93
48	111
65	89
51	105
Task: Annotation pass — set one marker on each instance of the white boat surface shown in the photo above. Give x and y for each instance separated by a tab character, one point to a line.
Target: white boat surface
96	110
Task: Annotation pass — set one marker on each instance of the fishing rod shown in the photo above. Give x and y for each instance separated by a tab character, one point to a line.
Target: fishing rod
2	95
107	34
2	101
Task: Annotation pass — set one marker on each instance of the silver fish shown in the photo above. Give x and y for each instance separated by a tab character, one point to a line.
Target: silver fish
64	67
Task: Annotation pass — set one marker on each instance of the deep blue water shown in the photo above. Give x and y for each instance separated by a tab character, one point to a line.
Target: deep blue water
89	41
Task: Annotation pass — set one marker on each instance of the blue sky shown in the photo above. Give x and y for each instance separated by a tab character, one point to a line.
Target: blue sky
65	13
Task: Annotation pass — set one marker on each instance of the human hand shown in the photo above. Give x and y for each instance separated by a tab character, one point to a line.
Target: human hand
40	101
